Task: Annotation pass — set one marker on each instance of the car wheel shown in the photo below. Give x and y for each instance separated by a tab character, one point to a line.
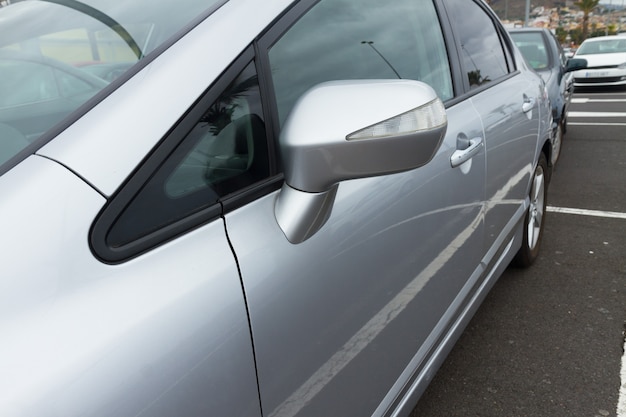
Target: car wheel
557	141
533	222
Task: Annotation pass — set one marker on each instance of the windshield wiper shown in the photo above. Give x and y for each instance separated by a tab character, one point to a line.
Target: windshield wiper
101	17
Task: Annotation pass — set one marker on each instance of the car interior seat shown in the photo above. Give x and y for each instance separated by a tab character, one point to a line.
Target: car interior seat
238	156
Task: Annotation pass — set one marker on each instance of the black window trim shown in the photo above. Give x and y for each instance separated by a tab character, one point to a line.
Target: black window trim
298	9
120	200
263	44
454	57
258	52
505	43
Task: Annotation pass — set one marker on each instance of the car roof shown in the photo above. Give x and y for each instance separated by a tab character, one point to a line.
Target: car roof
527	29
604	38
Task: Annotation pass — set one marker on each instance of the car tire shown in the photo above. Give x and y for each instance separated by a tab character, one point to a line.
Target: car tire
535	216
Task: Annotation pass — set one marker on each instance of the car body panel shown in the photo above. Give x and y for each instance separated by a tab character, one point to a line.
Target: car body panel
227	317
558	84
601	71
84	338
507	132
307	362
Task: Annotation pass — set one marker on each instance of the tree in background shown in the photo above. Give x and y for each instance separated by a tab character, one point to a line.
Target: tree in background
561	35
586	6
576	36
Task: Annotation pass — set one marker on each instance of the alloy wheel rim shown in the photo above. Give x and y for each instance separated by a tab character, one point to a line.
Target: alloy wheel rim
536	208
556	144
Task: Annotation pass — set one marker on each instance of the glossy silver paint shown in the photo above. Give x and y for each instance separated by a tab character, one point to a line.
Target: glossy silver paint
319	146
301	214
166	334
406	253
232	318
153	337
507	130
317	143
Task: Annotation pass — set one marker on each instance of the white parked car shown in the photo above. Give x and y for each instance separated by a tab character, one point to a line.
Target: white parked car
606	62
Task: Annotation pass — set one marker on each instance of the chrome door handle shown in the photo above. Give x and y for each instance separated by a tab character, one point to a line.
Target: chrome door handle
529	103
463	155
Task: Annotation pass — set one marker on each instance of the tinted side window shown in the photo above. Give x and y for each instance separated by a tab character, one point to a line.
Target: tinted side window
366	39
533	48
481	49
224	152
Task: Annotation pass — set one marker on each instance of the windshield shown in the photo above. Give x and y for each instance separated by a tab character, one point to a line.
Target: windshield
57	54
609	46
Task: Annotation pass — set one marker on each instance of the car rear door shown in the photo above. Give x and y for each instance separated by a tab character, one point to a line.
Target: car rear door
342	321
508	103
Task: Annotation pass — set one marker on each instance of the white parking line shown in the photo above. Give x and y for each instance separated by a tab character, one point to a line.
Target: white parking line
595	114
621	402
594	124
583	100
575	114
583	212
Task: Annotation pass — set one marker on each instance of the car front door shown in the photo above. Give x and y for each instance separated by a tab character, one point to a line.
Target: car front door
342	321
170	295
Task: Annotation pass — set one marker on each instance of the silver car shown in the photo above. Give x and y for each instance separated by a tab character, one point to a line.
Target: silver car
255	208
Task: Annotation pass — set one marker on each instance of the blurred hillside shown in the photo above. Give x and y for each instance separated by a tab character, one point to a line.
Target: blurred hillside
516	9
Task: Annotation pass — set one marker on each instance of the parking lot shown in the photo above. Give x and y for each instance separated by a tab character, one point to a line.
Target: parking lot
548	341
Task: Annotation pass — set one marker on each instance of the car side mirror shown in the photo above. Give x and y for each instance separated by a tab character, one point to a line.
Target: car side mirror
575	64
345	130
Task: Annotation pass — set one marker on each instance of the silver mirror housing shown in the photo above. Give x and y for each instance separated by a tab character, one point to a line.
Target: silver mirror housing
352	129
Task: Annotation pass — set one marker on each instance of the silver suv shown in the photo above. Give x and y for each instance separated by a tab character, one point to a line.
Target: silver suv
255	208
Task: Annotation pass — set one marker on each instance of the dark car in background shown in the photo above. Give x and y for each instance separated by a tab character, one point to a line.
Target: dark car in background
545	55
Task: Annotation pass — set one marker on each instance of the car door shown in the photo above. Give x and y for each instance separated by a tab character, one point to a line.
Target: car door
342	321
507	101
163	334
185	347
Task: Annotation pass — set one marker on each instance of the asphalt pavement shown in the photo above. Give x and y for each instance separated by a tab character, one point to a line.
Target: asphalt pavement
548	340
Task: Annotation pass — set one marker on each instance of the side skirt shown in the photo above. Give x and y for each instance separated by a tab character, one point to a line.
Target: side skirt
407	390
